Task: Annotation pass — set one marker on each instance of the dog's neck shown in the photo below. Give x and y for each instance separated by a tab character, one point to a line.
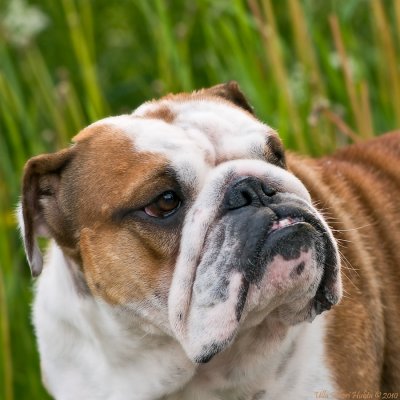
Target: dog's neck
88	335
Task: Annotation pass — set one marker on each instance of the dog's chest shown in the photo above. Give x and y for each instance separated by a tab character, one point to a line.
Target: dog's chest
265	368
261	365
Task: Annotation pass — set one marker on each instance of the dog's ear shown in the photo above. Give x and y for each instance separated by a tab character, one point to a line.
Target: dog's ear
39	202
230	91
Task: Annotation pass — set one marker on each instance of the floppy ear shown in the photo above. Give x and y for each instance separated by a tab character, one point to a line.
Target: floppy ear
39	202
230	91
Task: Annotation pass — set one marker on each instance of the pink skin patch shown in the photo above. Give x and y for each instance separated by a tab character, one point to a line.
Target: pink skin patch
287	285
281	273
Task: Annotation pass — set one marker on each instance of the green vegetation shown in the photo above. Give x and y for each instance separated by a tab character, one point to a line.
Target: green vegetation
323	73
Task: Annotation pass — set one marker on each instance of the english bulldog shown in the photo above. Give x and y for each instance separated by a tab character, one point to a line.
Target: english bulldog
192	258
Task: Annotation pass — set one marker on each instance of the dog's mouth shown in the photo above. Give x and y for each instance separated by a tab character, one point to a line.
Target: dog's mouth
284	222
252	256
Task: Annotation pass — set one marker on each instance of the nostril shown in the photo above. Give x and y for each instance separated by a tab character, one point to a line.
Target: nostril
239	198
246	197
248	191
269	191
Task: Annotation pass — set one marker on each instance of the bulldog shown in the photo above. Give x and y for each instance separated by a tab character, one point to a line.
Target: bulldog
191	258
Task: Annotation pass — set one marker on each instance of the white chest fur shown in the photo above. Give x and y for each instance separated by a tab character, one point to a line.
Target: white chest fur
90	351
261	366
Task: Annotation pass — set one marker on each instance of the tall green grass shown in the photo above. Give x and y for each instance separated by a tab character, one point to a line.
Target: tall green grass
323	73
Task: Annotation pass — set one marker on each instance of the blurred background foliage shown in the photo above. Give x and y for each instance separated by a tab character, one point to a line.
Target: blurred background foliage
323	73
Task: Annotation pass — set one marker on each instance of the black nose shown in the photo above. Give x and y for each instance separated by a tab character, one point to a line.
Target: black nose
248	191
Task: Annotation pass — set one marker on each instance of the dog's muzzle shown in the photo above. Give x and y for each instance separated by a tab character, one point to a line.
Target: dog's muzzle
257	228
270	224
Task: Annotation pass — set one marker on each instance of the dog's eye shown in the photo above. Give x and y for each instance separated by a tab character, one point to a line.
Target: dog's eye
164	205
274	152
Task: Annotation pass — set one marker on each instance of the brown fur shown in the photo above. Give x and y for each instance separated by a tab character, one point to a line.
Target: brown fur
358	190
100	185
120	268
225	92
82	197
163	112
229	91
39	182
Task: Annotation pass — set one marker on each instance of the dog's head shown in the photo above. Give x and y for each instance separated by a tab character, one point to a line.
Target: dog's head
184	215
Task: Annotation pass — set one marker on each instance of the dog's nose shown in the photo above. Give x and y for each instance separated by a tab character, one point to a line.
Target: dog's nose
248	191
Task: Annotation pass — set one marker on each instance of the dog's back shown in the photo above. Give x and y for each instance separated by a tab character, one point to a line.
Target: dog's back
361	184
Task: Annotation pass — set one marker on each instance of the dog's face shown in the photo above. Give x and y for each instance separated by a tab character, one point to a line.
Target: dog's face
184	216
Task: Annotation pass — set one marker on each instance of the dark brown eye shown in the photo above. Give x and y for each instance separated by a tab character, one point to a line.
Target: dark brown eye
164	205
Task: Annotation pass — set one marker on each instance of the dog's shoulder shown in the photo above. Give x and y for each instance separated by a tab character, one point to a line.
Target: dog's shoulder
357	189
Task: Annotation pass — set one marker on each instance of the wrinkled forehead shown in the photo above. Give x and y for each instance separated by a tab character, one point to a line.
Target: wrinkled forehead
219	127
193	135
